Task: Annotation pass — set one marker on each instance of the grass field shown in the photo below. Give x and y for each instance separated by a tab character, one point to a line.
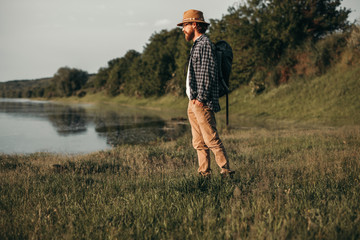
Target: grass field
289	183
296	178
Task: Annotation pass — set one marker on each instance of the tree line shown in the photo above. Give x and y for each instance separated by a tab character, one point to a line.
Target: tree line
66	82
271	40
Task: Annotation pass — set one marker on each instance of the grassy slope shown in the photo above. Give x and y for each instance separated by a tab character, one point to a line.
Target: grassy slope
333	98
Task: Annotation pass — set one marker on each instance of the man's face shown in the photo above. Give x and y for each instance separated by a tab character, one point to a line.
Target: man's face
188	31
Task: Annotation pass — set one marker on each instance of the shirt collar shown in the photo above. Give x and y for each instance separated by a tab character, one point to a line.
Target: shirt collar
199	38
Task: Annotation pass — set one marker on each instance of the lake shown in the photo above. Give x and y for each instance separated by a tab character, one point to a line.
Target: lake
28	126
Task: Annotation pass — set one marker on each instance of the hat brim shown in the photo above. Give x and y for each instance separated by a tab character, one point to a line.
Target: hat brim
199	21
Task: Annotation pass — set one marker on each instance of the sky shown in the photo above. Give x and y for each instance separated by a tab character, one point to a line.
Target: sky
37	37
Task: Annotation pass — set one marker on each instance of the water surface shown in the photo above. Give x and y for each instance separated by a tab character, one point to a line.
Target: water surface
28	126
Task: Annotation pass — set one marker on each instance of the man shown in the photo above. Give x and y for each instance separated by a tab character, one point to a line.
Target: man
202	88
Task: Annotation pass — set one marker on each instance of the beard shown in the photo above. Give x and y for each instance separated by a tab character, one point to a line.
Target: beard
189	35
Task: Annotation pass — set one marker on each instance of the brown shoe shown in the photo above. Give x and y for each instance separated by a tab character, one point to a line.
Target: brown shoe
226	173
205	174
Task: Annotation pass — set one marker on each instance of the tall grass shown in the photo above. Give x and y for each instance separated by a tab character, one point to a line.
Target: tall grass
289	183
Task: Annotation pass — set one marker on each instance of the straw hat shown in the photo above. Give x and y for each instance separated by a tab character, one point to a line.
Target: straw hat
193	16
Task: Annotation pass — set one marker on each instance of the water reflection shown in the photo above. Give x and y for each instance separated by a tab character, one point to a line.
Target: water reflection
149	129
69	120
136	128
113	126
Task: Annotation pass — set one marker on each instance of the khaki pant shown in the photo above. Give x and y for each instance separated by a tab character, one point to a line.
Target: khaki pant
206	137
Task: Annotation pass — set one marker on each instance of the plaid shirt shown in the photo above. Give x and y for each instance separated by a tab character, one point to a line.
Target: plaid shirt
204	85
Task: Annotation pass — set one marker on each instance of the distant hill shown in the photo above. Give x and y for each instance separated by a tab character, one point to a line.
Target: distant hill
24	88
37	88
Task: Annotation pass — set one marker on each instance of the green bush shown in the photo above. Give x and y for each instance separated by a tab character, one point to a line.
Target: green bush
67	81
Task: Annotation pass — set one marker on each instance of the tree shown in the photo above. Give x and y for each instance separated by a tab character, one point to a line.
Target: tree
177	84
101	78
113	77
68	80
159	60
261	31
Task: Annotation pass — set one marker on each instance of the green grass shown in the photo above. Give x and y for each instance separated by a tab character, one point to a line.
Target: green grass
289	183
332	99
157	103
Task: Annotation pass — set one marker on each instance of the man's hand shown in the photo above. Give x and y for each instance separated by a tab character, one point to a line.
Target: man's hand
195	101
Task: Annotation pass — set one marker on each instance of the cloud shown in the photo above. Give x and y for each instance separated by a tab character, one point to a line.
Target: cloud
136	24
162	22
101	7
130	13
